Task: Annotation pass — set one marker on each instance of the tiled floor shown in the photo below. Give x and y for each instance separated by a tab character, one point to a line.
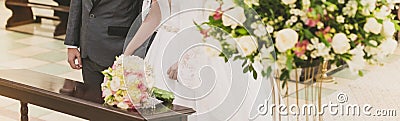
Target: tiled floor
21	51
38	53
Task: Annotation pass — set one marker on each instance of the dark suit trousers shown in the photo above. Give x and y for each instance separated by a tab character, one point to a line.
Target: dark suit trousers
92	78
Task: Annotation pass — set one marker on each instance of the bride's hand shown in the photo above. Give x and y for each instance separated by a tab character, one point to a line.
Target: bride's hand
173	71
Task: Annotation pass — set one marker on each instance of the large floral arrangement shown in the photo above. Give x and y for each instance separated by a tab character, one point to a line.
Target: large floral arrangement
357	32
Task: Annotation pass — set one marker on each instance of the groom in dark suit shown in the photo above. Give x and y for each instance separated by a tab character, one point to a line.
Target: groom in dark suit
95	36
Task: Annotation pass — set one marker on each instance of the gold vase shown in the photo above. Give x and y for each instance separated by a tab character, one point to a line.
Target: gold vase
323	76
312	87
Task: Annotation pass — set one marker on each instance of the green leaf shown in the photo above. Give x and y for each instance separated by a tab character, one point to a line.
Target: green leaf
284	75
251	69
241	31
360	73
246	69
263	73
397	26
197	25
289	61
236	57
284	83
327	44
244	63
308	34
254	74
269	70
163	95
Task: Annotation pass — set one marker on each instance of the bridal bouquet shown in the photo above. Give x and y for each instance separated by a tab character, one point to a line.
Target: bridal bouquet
113	92
129	83
357	32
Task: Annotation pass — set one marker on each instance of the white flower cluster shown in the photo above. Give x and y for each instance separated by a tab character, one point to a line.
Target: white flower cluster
351	8
355	31
319	49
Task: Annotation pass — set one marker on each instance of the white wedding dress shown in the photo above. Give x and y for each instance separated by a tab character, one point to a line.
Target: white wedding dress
215	89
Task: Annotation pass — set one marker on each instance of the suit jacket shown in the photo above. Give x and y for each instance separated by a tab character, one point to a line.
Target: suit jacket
99	27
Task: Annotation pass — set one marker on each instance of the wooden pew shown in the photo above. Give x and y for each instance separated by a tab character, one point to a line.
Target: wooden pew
49	91
22	14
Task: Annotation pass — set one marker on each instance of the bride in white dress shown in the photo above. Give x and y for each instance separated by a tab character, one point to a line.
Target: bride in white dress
189	66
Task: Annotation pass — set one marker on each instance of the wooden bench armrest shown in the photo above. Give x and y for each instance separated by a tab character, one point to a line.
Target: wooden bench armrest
60	8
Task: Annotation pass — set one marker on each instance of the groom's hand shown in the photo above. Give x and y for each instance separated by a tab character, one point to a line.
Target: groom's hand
73	54
173	72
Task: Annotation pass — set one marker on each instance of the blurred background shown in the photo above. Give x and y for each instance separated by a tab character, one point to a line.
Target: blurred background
33	46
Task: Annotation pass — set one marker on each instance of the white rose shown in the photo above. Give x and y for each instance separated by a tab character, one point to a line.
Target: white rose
237	17
287	2
373	26
388	46
340	43
247	45
106	92
286	39
388	28
383	12
115	84
369	6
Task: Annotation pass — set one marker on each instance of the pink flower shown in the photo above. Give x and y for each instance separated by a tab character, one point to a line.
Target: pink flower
141	87
313	19
329	40
114	67
139	74
311	22
325	33
309	10
129	103
327	29
301	48
218	14
204	32
143	97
